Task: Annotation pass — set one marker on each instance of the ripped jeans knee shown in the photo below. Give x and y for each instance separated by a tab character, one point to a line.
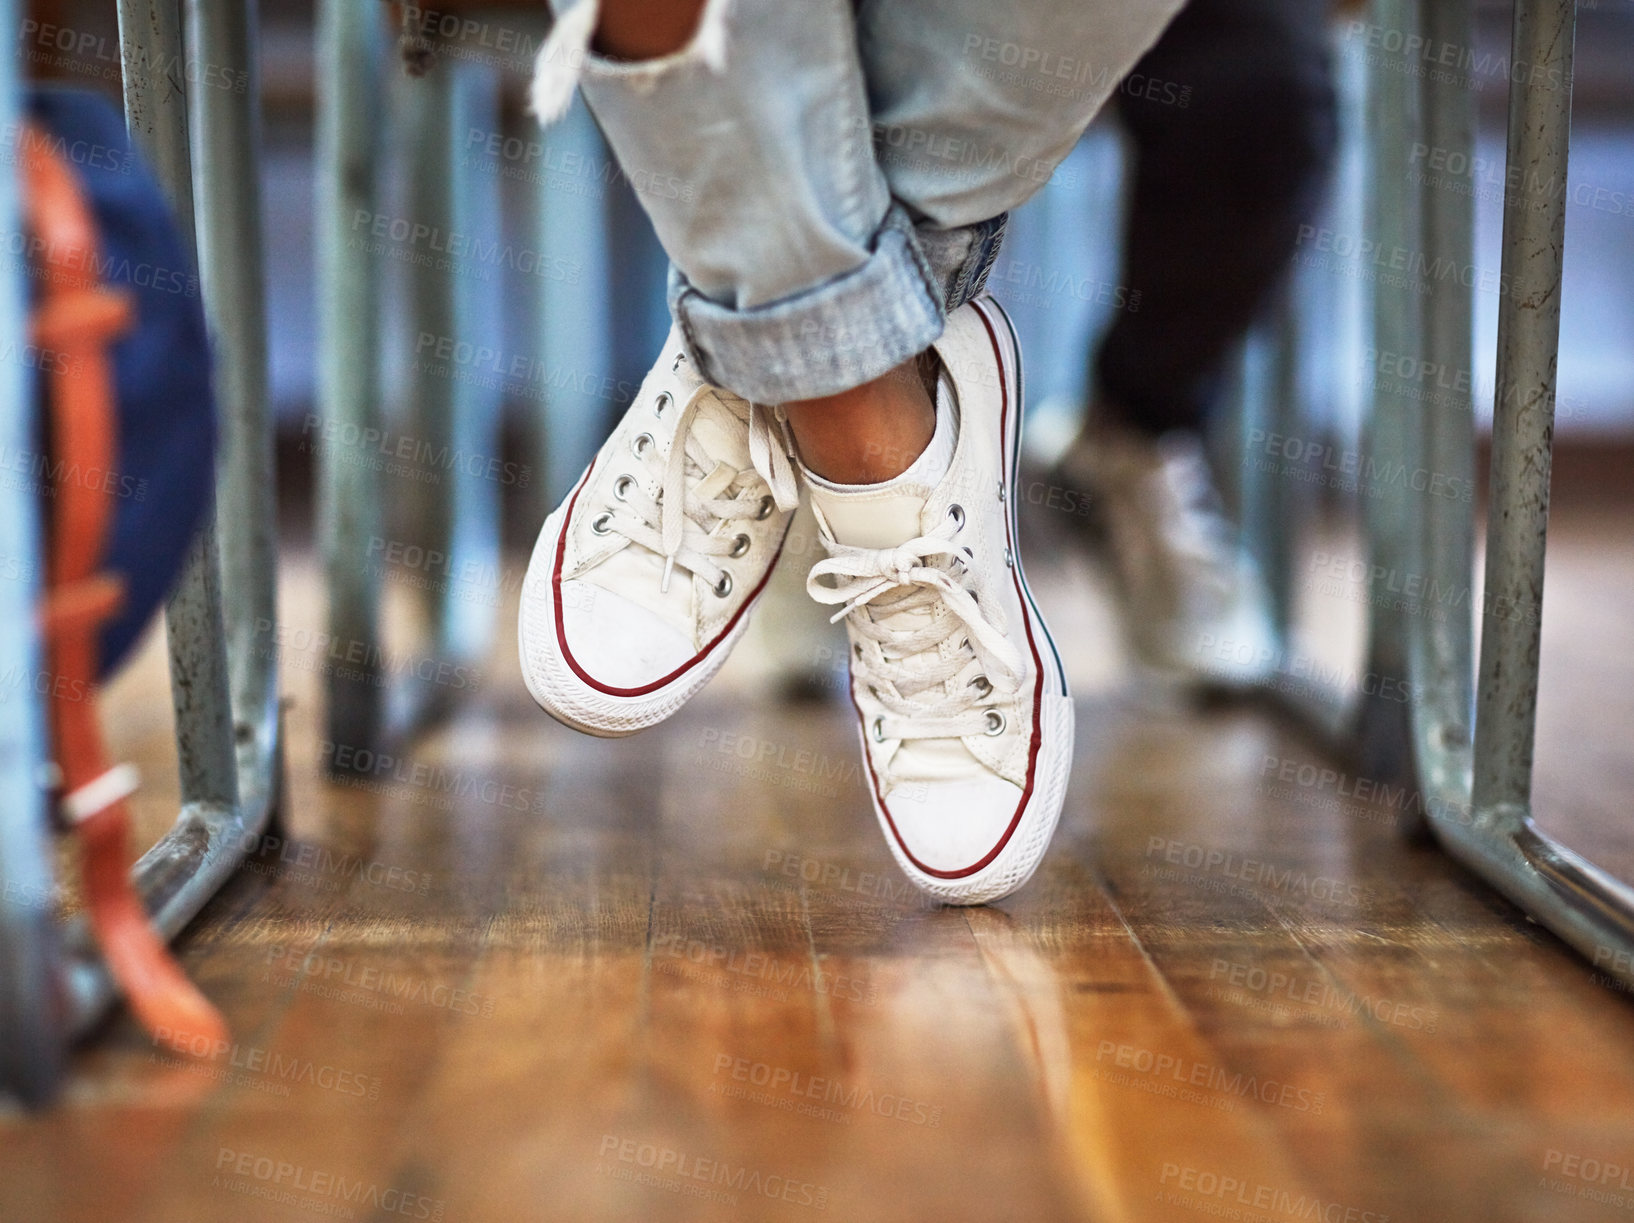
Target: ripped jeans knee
567	56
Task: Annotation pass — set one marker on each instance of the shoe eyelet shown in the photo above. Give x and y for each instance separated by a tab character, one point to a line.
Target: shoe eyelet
1009	559
765	510
995	722
879	729
740	546
723	587
621	487
957	513
641	443
663	401
857	650
602	524
680	360
982	685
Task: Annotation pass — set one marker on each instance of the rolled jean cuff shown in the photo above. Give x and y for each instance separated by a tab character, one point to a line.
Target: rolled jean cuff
831	338
960	259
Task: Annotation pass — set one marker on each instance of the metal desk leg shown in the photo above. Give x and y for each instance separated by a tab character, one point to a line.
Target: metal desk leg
1582	904
156	112
1441	439
231	273
1534	240
228	765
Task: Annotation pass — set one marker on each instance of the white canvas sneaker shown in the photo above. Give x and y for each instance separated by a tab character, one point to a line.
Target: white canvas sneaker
1194	601
645	577
961	699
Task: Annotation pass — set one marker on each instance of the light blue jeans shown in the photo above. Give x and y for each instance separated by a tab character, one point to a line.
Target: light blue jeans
830	177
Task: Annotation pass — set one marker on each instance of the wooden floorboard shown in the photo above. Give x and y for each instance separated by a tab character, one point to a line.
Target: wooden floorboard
523	975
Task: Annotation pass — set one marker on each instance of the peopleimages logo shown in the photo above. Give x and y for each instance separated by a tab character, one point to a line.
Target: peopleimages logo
1252	873
686	1172
1351	470
1601	1172
278	1068
1053	73
1321	995
836	876
778	763
785	1085
1217	1192
403	454
1180	1072
1454	63
308	857
759	972
278	1180
352	658
337	976
1320	246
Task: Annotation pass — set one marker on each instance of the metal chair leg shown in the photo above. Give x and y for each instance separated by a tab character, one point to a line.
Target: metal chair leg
453	414
575	320
1271	391
350	122
1372	732
1265	402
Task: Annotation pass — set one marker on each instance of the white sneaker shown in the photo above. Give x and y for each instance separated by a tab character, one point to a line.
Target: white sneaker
961	699
645	577
1193	598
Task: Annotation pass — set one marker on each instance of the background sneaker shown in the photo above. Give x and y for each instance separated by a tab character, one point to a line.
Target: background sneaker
961	699
1193	599
645	577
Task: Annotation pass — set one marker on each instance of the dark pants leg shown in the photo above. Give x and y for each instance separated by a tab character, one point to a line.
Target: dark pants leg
1221	186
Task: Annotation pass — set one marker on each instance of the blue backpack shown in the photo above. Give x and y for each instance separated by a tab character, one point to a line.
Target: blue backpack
162	479
124	464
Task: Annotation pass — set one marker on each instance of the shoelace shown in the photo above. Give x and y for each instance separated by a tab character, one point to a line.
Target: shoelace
880	590
685	533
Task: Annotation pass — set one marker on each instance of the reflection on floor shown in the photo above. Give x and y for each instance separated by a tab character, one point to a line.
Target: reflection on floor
518	974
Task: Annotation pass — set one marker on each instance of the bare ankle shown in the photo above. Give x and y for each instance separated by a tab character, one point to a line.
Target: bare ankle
646	29
870	433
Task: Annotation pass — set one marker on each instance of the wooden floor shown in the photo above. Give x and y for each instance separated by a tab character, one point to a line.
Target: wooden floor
525	975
